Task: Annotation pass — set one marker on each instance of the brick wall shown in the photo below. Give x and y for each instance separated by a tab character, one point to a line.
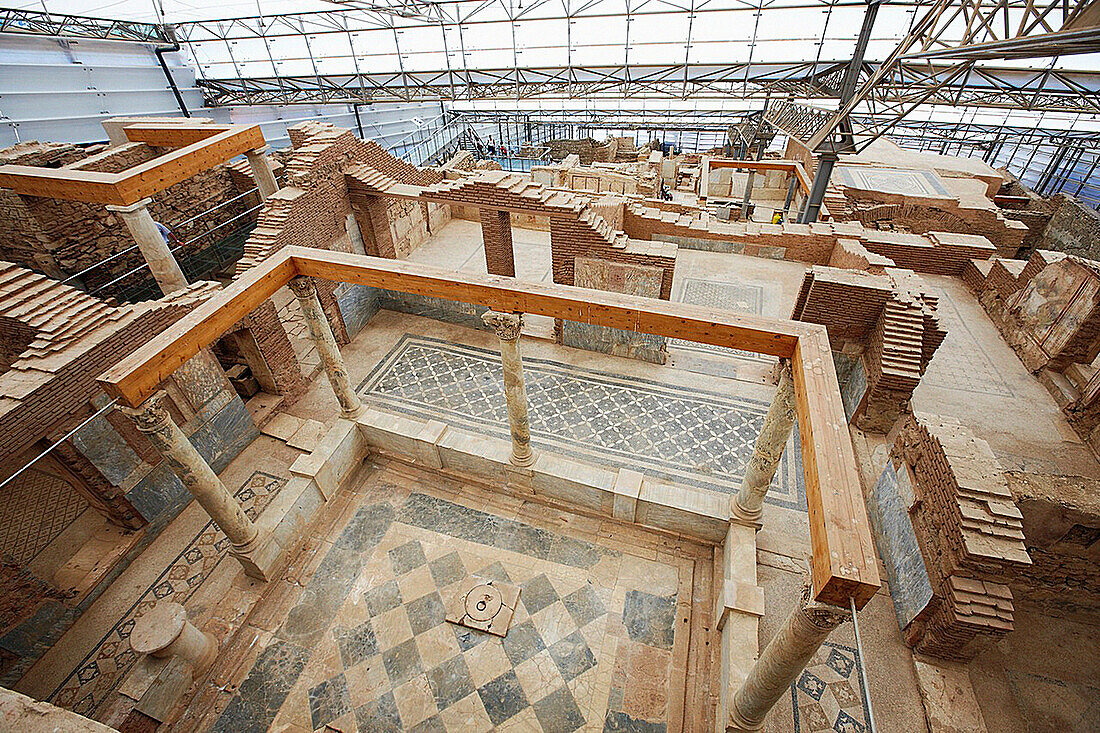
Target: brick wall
889	319
970	535
496	234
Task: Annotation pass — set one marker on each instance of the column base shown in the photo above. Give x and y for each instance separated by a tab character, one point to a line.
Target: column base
354	414
741	515
736	724
257	558
524	461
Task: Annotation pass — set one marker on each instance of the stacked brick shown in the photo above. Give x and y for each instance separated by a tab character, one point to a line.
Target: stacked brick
73	338
496	234
975	273
1004	276
891	318
970	535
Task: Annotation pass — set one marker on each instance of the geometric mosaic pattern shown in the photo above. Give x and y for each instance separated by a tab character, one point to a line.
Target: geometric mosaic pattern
736	297
961	363
579	654
105	666
34	510
690	436
828	695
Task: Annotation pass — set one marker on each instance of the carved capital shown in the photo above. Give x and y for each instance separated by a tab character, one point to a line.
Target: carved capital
506	325
303	287
151	416
820	617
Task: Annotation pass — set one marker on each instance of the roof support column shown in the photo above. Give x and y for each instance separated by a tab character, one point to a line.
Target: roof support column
153	246
262	171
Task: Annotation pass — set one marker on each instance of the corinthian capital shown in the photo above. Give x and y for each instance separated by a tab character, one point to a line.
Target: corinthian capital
506	325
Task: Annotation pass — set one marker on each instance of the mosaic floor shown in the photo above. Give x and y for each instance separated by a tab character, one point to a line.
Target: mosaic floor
692	436
34	510
737	297
105	666
961	363
828	695
367	647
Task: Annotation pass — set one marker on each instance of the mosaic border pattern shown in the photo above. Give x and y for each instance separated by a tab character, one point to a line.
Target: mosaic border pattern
479	406
695	292
104	667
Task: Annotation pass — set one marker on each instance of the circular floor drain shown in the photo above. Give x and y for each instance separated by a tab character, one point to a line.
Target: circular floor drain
483	602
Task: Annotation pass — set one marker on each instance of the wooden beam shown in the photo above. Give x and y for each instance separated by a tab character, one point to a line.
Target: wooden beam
172	136
844	563
844	560
154	176
794	167
63	183
130	186
138	376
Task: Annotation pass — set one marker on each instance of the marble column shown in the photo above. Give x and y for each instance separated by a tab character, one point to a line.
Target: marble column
748	503
782	661
262	171
165	631
162	264
306	292
198	477
507	327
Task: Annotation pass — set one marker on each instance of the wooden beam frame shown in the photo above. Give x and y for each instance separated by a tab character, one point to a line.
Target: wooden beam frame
844	563
791	166
199	148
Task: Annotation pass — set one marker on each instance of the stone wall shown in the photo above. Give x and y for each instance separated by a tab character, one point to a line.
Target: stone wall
1061	518
61	238
970	535
1073	228
640	280
587	149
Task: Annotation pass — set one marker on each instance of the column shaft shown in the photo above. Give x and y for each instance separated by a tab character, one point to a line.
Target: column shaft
162	264
198	477
748	504
507	327
319	329
782	661
262	172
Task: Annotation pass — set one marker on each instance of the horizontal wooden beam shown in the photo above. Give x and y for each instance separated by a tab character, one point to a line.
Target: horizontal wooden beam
154	176
223	143
844	560
171	136
91	187
792	166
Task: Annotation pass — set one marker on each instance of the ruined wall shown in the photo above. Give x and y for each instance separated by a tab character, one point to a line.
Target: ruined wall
1073	228
640	280
969	532
1061	518
62	238
587	149
888	322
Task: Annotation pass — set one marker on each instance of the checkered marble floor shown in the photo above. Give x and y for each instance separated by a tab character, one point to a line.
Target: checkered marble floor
593	645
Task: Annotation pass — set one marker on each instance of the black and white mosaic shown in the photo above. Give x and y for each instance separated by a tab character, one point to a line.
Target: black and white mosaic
691	436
